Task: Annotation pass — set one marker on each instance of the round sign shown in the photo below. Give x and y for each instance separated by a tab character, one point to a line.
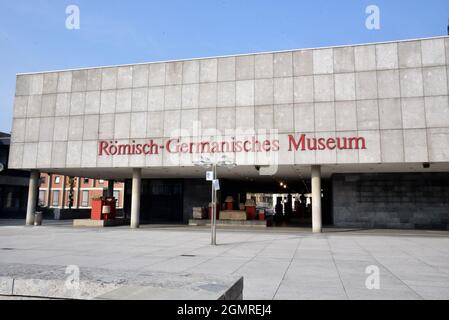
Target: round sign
2	167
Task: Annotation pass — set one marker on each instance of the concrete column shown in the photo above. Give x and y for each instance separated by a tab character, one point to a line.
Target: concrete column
316	199
135	198
110	193
32	197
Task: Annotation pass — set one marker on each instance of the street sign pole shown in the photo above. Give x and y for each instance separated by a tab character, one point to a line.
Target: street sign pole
214	207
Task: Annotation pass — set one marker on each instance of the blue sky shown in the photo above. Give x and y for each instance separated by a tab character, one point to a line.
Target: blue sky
33	36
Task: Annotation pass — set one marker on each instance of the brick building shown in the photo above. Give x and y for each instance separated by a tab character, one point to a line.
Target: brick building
55	189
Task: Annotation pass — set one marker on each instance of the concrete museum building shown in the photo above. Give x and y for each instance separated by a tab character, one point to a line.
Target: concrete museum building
358	134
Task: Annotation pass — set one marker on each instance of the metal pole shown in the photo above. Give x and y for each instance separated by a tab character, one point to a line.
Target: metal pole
214	207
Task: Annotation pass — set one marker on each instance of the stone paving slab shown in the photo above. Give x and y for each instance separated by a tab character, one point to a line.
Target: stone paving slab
276	263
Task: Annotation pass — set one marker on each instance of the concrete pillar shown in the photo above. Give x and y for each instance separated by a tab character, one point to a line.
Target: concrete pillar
316	199
135	198
110	193
32	197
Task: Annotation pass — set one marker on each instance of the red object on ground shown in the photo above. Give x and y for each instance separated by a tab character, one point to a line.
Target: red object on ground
229	205
261	216
217	212
103	209
251	213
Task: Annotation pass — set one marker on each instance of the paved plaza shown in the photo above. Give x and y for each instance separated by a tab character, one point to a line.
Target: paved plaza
275	263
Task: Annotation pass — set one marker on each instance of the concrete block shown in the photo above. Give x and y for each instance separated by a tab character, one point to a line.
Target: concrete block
387	56
346	115
174	74
94	79
245	118
447	50
124	77
245	93
173	97
79	81
23	85
124	100
208	70
365	58
18	130
303	89
58	154
435	81
283	64
410	54
208	120
34	106
48	105
109	78
226	94
44	155
172	123
29	155
156	96
50	83
155	124
189	122
139	99
390	114
91	126
156	74
264	118
108	101
324	88
244	69
344	86
411	83
388	84
122	125
155	160
208	95
74	149
15	156
306	157
366	85
226	120
438	139
140	76
372	152
413	114
263	66
191	72
324	116
284	120
46	129
304	117
347	156
190	96
392	145
303	63
433	52
437	112
61	132
323	61
77	103
415	145
283	90
32	129
344	60
76	126
264	92
20	106
138	125
121	161
36	84
106	127
89	154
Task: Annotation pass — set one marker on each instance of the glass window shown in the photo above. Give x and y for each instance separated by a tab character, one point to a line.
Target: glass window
55	202
116	196
101	181
57	179
86	180
85	199
41	198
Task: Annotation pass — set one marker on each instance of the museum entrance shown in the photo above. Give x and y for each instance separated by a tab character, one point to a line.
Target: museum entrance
282	203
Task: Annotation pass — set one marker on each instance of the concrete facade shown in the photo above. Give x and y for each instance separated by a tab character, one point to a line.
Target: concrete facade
394	95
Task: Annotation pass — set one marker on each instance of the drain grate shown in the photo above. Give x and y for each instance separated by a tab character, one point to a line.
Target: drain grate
188	255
